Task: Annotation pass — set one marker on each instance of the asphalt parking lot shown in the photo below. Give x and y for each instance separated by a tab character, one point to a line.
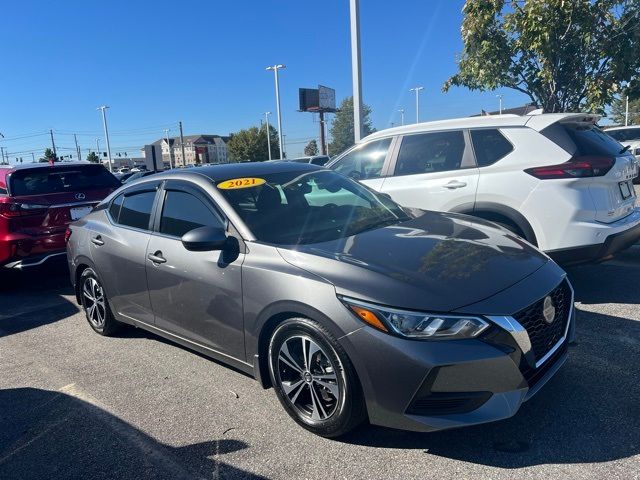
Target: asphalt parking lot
76	405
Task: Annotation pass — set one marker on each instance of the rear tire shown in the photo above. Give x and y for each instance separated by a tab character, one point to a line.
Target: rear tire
314	379
95	304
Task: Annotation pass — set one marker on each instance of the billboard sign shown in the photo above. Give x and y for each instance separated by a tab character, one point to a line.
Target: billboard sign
327	98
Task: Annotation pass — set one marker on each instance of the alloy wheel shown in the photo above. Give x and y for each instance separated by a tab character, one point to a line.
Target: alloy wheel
308	378
94	302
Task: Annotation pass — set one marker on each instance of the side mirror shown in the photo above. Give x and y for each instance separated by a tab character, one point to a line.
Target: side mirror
204	239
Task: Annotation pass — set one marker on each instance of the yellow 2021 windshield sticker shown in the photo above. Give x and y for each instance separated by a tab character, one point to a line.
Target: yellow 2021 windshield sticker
241	183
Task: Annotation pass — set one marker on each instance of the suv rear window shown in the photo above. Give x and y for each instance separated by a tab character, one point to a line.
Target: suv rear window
582	140
45	180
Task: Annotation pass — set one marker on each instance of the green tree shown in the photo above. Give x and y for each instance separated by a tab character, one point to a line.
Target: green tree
619	108
311	149
93	157
566	55
250	145
48	155
342	126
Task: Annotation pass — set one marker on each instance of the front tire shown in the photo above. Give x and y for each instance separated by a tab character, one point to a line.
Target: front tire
96	305
314	379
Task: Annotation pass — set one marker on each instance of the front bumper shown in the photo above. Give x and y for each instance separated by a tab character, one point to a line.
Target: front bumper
428	386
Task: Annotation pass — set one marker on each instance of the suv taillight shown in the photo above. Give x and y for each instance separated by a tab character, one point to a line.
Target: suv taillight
11	210
577	167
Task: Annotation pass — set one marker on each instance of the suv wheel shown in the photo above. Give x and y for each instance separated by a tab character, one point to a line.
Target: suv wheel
96	305
314	379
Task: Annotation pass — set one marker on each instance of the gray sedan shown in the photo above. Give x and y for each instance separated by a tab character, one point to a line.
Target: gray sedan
348	305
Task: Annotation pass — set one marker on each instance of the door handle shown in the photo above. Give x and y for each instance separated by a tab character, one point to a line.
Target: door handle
453	184
97	240
157	257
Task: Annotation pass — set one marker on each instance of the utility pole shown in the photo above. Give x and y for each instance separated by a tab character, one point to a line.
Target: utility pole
53	144
356	74
33	157
275	69
98	149
626	113
106	134
184	158
266	117
323	142
417	90
401	116
500	99
166	135
2	151
75	138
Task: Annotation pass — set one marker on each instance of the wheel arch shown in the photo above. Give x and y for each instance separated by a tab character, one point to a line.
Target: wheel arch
496	211
81	264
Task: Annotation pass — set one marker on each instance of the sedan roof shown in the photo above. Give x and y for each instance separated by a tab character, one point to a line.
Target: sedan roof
228	171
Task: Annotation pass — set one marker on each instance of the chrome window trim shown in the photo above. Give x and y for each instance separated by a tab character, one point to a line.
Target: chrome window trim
521	336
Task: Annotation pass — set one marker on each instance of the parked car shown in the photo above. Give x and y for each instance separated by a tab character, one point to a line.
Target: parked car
628	136
350	306
124	176
554	179
38	201
137	175
315	160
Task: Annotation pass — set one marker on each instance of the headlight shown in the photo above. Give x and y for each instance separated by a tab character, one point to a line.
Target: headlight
418	325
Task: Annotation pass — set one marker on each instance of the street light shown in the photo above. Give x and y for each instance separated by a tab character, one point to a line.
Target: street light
500	99
275	69
417	90
401	116
106	134
266	117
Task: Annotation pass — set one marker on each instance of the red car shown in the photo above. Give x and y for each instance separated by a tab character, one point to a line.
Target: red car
38	201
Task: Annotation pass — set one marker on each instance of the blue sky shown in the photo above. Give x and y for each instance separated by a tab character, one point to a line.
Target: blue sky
202	62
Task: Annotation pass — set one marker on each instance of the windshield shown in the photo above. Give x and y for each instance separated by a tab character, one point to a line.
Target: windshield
53	179
292	208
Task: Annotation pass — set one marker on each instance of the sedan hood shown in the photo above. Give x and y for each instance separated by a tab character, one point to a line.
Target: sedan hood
437	262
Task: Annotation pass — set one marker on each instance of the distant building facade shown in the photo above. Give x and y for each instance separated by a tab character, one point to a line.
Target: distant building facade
198	150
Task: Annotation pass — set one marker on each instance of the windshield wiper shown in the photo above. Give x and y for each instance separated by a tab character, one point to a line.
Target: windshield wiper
624	149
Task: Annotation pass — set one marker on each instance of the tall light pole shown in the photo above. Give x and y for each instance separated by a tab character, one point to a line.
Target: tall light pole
401	116
500	99
166	136
356	74
98	149
417	90
106	133
266	117
275	69
626	112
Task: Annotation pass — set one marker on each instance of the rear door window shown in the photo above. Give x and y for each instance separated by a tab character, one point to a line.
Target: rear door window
624	135
364	161
136	210
46	180
183	212
430	152
489	146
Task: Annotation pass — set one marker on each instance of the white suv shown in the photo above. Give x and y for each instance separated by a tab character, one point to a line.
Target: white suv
554	179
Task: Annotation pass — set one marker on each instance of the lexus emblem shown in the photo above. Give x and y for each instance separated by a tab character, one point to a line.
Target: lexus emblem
548	310
80	196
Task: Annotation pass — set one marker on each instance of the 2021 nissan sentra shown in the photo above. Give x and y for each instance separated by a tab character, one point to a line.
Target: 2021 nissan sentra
350	306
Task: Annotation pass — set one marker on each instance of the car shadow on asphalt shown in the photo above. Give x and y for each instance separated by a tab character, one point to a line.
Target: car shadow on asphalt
609	282
587	413
34	298
50	434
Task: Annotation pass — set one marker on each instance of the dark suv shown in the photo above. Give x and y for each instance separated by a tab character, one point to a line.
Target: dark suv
38	201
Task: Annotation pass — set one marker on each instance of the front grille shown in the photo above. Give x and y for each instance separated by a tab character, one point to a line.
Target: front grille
545	336
534	375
